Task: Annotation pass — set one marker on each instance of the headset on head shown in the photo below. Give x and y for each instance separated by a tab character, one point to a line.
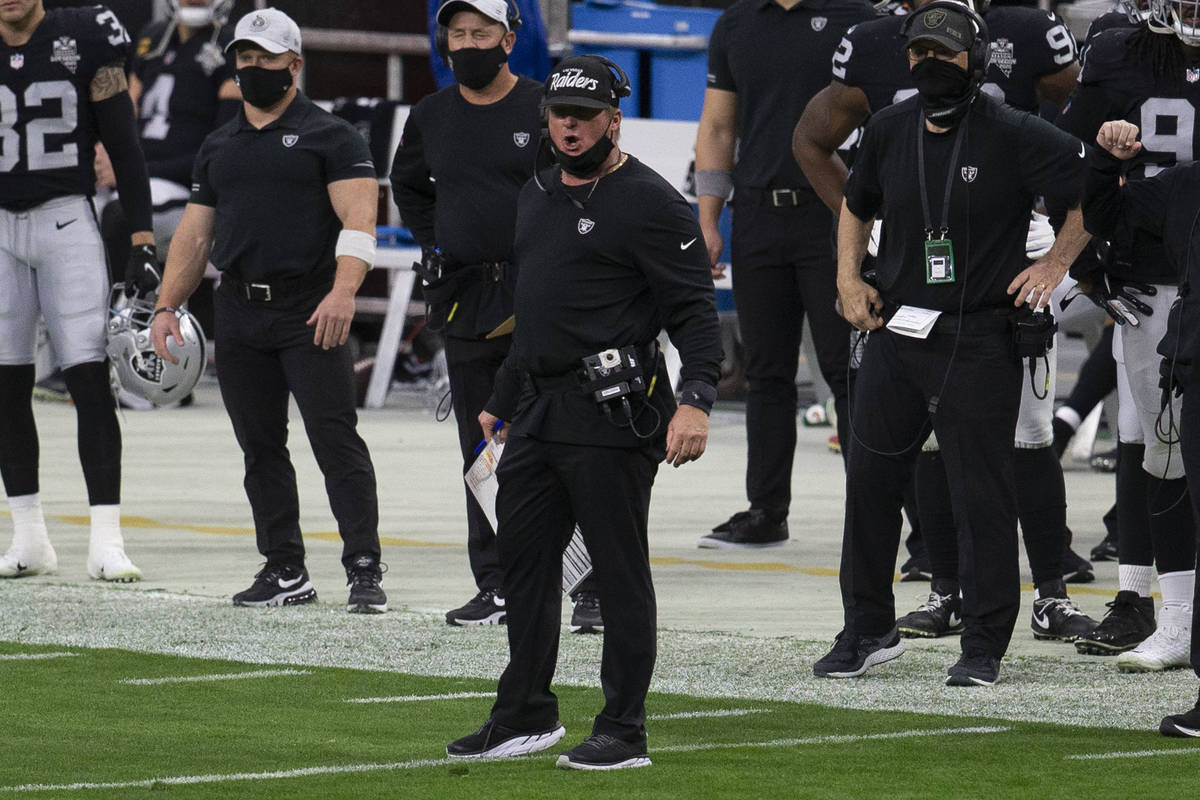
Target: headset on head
977	54
620	87
442	36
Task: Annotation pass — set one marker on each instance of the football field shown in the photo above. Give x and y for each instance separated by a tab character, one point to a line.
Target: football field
164	687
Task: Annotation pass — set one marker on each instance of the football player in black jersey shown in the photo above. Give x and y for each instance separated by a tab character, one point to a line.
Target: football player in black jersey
1151	79
1031	60
62	87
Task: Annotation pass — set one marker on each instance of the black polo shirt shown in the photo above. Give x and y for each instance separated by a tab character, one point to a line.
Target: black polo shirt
274	219
775	60
1008	159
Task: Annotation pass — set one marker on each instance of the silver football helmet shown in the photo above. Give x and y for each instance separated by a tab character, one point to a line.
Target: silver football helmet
213	12
1181	17
139	369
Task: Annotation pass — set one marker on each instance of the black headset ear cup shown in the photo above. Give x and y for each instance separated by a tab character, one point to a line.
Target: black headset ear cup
514	15
442	39
621	88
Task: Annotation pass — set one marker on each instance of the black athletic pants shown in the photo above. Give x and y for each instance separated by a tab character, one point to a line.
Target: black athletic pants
783	269
1189	425
975	422
545	489
472	366
265	353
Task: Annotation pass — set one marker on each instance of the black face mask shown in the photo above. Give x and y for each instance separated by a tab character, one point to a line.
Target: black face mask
587	163
946	90
476	68
261	87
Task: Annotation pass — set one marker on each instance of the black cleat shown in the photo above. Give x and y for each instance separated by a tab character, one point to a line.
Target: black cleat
1059	618
601	751
747	530
585	614
275	585
1182	726
852	655
977	669
940	615
1130	619
366	595
1106	550
486	608
494	740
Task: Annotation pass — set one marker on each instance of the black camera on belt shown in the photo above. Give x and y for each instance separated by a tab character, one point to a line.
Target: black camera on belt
1033	332
613	374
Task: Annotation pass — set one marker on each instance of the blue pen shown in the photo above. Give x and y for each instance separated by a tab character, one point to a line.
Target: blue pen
483	442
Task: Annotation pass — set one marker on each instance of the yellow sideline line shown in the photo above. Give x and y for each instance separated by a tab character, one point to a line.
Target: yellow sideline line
129	521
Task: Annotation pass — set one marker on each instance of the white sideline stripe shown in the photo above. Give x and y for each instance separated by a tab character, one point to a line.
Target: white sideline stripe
33	656
439	762
722	712
1179	751
225	676
418	698
832	739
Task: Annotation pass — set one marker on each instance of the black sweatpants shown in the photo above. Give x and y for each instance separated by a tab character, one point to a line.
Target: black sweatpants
975	423
265	353
783	269
1189	428
545	489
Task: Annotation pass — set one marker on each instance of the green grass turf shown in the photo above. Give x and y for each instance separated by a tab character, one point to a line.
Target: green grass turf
68	720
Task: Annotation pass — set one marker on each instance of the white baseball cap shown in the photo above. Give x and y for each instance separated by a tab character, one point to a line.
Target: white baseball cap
492	9
268	28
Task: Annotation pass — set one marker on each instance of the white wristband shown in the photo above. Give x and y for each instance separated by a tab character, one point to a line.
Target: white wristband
358	244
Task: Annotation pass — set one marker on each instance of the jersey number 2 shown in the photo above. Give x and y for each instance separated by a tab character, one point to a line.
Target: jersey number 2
38	157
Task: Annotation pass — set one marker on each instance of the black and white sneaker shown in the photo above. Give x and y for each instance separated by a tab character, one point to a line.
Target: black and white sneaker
601	751
276	585
366	595
1182	726
976	669
585	613
746	530
1059	618
494	741
485	608
916	568
940	615
1128	623
1076	568
851	655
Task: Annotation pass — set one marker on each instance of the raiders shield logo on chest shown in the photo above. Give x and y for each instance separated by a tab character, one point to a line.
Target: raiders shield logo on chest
585	226
521	138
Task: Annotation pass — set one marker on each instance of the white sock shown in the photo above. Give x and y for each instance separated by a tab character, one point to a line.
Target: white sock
1177	587
106	528
1135	578
1069	416
29	524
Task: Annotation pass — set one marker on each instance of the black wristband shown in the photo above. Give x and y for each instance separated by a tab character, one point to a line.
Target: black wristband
161	309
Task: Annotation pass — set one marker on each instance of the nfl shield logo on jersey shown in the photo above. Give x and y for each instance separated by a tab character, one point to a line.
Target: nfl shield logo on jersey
1193	74
819	23
65	51
521	138
16	60
585	225
969	173
290	139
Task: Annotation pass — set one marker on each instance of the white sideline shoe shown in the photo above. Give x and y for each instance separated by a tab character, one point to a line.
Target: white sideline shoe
1169	647
21	561
111	564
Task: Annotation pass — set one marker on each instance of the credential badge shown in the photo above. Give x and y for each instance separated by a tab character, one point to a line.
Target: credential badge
290	139
521	138
969	173
16	60
585	225
65	51
819	23
1002	56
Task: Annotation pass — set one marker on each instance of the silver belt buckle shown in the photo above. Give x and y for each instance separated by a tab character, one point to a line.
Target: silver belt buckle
777	196
266	290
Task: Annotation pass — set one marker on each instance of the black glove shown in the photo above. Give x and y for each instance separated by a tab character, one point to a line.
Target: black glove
1118	298
143	272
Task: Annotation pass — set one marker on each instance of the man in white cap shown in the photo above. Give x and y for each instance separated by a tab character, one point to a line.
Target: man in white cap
283	201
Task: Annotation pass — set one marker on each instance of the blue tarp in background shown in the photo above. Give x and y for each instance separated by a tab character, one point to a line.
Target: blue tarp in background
530	56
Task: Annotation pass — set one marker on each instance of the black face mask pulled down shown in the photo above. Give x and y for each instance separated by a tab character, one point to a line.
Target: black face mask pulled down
946	90
261	87
587	163
476	68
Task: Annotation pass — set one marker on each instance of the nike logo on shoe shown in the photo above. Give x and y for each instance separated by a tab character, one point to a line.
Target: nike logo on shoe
1188	731
21	567
61	225
1042	621
290	583
686	245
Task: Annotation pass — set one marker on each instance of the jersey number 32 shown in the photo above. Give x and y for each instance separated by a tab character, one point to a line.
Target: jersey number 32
39	154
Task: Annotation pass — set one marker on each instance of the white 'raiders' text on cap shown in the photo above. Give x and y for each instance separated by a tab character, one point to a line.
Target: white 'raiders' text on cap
268	28
492	9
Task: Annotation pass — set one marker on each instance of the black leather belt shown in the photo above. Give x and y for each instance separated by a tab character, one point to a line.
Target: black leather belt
276	290
777	198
